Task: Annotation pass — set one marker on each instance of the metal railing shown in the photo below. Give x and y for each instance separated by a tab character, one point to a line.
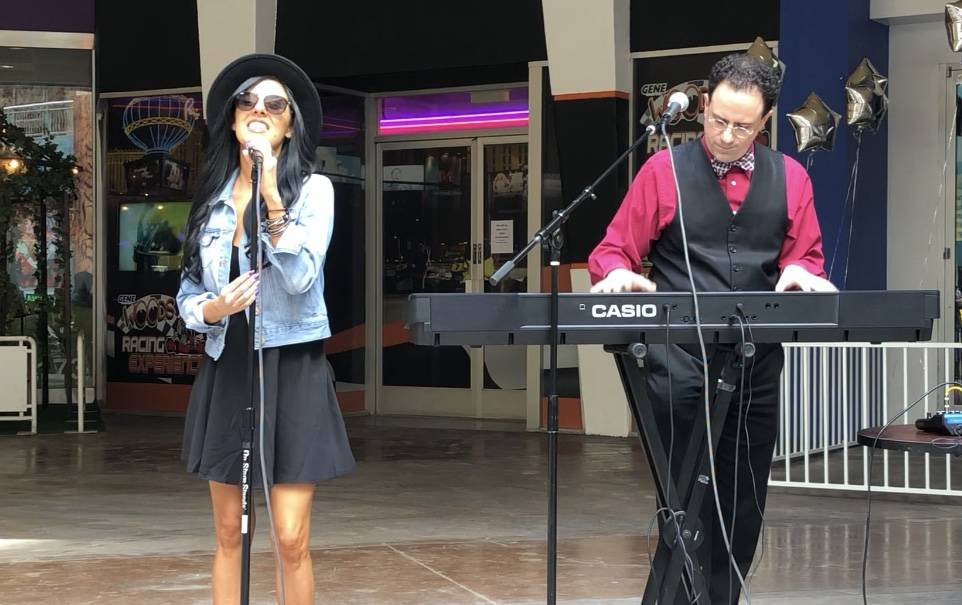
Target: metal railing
19	382
53	118
831	391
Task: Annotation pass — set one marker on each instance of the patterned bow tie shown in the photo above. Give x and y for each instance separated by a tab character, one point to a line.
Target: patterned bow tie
746	163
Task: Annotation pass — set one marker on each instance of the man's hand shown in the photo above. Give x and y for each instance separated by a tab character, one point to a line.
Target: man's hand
623	280
796	278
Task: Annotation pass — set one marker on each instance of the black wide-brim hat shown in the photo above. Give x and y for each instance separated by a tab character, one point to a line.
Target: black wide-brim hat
270	66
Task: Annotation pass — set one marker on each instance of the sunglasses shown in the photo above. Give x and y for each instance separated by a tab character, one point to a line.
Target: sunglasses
274	104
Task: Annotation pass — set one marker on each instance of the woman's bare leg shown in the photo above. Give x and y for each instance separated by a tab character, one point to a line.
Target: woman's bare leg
291	503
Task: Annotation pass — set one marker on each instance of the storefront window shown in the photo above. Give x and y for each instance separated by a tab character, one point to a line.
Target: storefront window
46	94
152	163
341	158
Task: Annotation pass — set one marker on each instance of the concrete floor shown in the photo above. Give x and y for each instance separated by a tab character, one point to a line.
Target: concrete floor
436	514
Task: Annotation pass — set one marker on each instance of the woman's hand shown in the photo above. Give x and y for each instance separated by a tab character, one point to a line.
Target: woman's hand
234	297
268	178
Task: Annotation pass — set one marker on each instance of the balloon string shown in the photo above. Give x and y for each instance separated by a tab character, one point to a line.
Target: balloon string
851	222
810	161
950	130
841	220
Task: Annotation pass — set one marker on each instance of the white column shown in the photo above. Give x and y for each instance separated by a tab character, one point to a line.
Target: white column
228	29
604	406
588	46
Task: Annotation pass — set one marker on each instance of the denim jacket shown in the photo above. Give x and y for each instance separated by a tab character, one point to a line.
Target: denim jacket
291	306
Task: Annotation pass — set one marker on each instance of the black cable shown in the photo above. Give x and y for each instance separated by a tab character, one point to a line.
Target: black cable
704	361
689	564
260	380
738	435
751	469
671	451
671	399
868	483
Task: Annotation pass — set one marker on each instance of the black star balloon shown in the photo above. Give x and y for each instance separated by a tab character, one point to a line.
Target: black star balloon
953	25
866	100
814	123
760	50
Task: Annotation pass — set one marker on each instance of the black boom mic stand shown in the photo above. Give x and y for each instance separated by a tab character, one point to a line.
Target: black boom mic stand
551	233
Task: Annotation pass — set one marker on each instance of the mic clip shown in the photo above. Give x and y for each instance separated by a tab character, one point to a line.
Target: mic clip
254	153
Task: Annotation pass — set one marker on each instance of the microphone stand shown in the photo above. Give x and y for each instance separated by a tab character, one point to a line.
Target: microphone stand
247	446
551	233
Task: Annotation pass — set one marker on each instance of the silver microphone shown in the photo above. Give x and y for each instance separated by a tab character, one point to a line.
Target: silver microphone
677	103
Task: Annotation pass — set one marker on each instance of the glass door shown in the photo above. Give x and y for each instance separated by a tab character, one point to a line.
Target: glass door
426	246
501	231
451	212
46	95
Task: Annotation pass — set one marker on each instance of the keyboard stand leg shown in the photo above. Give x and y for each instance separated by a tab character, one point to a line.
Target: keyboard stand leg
681	503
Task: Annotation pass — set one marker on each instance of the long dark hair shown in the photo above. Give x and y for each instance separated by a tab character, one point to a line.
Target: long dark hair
294	165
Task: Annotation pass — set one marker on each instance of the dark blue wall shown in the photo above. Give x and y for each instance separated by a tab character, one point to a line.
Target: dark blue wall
821	43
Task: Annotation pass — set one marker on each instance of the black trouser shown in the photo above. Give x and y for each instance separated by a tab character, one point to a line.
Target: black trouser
742	489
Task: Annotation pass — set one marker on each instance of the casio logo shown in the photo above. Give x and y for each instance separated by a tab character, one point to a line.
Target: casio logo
628	311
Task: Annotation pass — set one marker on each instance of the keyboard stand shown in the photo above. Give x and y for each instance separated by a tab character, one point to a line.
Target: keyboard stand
681	502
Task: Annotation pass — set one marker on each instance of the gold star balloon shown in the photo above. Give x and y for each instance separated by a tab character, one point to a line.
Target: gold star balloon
953	25
815	124
761	51
866	100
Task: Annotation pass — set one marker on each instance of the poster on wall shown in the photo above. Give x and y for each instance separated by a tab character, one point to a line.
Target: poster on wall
149	340
153	156
657	78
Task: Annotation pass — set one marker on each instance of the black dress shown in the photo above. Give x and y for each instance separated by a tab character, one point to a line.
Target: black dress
304	436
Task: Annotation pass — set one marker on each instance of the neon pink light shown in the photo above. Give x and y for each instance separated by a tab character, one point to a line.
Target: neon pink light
441	126
454	123
442	118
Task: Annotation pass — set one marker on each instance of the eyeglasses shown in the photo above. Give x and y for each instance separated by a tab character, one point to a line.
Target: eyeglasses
739	132
274	104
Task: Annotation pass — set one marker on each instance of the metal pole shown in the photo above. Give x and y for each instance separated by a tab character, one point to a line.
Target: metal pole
555	243
67	332
42	292
80	384
81	398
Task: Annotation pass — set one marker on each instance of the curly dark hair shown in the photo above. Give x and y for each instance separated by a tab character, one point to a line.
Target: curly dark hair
743	72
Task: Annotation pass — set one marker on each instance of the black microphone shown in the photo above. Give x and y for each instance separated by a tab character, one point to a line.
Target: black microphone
677	103
254	152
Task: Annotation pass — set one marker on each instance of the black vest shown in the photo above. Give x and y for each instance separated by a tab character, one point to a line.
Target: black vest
728	251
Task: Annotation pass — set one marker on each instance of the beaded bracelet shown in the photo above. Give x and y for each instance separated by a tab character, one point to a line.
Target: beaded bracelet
277	229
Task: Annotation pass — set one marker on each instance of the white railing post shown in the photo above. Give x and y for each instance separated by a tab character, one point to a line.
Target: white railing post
81	394
846	429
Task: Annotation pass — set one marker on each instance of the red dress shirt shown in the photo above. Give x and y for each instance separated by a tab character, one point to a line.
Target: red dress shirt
649	207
